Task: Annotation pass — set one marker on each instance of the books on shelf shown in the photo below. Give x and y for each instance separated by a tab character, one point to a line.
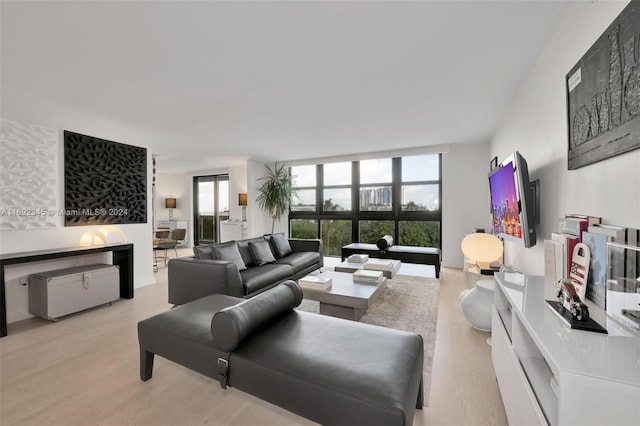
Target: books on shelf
568	243
367	276
591	220
574	226
554	264
315	282
358	258
617	233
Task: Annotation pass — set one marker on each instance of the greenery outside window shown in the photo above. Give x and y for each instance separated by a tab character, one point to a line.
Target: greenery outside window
372	230
419	233
335	235
304	228
361	201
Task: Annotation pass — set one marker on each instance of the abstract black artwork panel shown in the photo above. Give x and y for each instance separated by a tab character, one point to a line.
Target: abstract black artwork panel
104	182
603	94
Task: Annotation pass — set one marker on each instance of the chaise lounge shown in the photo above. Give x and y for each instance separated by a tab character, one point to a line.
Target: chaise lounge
331	371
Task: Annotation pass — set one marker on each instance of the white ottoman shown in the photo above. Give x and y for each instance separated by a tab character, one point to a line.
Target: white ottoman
476	304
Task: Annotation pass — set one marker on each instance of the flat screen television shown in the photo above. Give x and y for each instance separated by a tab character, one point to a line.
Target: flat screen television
514	201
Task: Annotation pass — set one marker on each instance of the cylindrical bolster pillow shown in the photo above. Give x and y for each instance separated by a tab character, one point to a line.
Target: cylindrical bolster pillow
232	324
384	242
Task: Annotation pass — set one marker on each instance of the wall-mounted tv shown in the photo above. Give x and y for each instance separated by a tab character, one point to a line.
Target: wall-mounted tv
514	201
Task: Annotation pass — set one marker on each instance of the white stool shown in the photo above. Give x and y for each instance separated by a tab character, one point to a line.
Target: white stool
476	304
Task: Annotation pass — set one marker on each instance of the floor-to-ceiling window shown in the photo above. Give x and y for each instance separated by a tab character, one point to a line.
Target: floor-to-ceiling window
361	201
210	206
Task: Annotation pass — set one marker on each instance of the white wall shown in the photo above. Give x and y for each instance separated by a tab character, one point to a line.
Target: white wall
536	125
178	187
61	117
465	197
237	185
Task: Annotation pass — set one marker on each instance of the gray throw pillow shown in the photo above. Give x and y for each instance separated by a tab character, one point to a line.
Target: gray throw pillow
281	245
204	252
261	252
229	251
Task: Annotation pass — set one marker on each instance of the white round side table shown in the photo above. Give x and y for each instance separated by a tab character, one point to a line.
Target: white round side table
476	304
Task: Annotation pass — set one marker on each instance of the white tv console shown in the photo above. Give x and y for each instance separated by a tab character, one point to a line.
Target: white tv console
551	374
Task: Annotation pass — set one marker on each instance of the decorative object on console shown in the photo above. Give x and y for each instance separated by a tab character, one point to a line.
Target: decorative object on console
113	234
109	234
170	203
604	113
28	198
384	242
242	201
571	302
571	310
92	238
105	182
579	271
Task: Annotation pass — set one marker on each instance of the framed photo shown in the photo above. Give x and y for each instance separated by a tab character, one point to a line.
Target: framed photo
603	94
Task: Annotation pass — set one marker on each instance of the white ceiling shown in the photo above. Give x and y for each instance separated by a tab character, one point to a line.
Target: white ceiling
212	83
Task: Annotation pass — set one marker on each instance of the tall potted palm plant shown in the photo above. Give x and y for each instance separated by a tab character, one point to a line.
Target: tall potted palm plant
276	192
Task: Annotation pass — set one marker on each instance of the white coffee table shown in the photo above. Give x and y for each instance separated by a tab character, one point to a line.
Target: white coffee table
345	299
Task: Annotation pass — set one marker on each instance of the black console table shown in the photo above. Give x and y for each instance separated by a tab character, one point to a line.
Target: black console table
409	254
122	257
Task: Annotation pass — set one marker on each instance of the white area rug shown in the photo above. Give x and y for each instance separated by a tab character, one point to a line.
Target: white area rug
409	304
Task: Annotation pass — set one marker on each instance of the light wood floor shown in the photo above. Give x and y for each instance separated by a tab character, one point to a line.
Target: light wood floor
84	370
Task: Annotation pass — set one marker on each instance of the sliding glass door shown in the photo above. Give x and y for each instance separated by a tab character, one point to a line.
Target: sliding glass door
211	206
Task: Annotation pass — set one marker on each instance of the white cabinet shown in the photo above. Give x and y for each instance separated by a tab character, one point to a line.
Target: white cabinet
233	230
551	374
177	224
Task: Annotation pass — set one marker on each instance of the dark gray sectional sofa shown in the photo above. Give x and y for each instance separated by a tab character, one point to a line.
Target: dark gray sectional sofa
242	268
329	370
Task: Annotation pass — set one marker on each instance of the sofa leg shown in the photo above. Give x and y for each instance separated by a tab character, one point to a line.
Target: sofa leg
420	401
146	365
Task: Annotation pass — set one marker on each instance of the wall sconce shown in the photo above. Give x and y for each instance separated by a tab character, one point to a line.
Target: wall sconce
170	203
242	201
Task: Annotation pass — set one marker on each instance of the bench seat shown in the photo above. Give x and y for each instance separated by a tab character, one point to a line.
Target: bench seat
329	370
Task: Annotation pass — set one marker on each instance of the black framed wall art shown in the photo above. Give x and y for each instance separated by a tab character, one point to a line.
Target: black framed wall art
105	182
603	94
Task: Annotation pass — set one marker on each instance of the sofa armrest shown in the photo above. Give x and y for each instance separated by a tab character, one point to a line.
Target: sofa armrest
191	279
299	244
